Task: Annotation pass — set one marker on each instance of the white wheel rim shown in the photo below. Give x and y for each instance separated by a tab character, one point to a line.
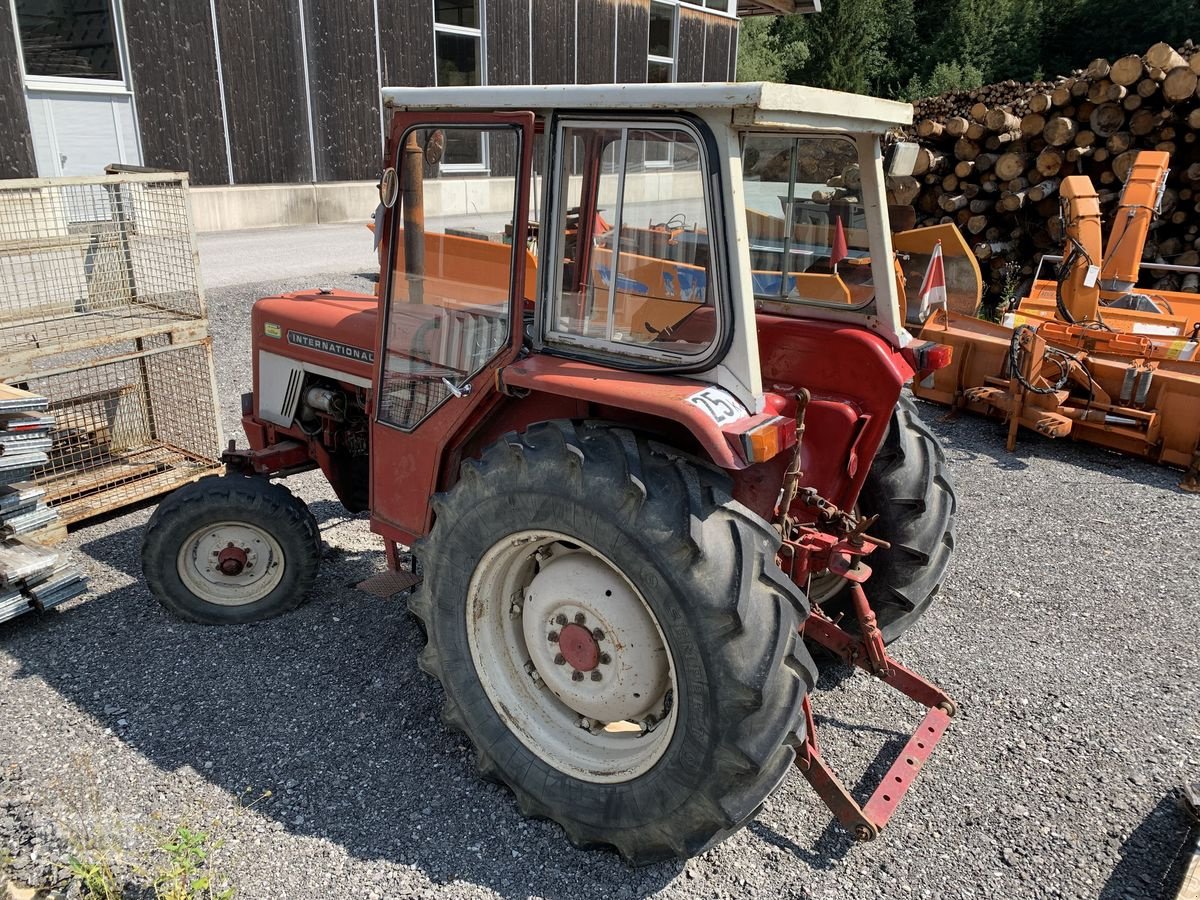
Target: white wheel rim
204	563
571	657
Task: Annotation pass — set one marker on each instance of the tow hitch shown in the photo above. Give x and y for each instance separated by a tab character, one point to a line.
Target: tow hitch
837	542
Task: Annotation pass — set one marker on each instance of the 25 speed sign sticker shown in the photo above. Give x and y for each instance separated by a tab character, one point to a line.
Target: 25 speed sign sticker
719	404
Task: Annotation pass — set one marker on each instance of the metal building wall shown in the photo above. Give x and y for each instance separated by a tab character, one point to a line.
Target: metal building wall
279	91
16	144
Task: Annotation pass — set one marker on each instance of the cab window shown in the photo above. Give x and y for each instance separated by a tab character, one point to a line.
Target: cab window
633	267
806	220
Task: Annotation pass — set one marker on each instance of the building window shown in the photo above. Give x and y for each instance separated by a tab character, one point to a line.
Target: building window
459	59
69	39
724	6
660	52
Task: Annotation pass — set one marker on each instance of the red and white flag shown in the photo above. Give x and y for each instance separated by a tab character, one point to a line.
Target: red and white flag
933	288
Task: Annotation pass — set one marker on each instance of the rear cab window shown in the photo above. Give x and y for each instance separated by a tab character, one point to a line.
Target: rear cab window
632	272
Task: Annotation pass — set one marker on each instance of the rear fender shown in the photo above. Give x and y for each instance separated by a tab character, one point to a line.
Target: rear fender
713	417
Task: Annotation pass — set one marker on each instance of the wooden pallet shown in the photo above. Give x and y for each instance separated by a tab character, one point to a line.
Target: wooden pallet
123	480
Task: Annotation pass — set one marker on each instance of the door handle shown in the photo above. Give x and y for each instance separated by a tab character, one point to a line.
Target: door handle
457	390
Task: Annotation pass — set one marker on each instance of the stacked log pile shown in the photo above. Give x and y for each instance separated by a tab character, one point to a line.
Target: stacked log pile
992	159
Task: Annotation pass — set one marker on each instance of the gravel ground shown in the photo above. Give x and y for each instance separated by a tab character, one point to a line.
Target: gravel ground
1067	631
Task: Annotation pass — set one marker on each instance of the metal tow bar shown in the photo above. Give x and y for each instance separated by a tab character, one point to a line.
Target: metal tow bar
837	542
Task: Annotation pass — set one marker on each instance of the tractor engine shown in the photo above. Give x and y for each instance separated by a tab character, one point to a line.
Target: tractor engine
312	386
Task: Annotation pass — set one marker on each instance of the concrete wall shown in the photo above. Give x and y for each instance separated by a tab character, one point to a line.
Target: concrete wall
230	208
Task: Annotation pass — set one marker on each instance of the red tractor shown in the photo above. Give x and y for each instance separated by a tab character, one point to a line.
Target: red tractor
642	443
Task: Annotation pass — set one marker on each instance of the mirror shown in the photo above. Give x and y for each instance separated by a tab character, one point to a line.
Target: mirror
435	146
389	188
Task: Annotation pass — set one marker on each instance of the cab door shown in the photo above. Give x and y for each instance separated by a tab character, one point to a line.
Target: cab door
452	273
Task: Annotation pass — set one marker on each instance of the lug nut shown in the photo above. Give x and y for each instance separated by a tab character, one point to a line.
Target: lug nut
552	637
577	675
560	619
585	723
559	659
597	634
605	658
580	618
596	676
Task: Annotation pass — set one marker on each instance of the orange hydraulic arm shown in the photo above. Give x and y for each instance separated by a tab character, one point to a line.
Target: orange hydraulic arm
1079	293
1131	223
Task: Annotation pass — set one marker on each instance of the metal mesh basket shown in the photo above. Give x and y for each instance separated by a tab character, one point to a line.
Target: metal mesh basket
101	311
83	261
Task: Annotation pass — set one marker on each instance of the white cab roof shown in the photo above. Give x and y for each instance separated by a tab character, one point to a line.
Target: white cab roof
751	104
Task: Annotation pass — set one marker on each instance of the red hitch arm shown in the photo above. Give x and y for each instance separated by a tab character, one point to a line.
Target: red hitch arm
867	651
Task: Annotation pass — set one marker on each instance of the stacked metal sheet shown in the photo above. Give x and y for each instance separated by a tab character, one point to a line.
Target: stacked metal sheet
32	576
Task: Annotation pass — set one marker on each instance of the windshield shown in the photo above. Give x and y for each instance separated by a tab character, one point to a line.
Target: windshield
806	221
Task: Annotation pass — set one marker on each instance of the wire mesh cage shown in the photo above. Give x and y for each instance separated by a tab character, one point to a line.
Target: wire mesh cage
83	261
102	311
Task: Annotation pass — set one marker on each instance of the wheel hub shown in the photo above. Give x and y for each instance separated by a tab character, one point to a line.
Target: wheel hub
230	563
578	648
592	640
232	560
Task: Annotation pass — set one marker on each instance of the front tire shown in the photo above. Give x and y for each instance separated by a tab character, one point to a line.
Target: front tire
230	550
661	733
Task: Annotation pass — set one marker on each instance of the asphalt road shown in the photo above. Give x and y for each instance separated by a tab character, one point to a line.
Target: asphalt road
1067	630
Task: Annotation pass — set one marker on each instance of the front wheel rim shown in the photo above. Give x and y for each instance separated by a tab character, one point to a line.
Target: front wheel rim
571	657
230	563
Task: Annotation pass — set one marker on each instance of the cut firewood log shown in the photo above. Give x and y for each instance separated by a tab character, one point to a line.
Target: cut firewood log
966	149
1041	102
956	126
930	128
1043	189
1123	164
1032	125
1147	88
1060	131
1180	84
1098	68
1127	71
1002	120
1164	56
1049	162
1107	119
1010	166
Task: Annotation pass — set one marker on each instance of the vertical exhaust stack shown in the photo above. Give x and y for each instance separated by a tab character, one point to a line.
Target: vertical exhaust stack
413	178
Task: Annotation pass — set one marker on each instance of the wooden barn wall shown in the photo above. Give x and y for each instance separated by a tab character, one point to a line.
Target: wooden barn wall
178	95
633	34
508	41
264	90
597	33
344	80
718	41
553	42
16	144
406	42
689	55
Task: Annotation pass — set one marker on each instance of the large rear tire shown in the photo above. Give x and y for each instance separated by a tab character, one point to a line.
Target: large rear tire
911	492
615	638
230	550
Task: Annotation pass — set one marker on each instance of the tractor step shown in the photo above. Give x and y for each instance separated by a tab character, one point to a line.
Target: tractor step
389	583
866	651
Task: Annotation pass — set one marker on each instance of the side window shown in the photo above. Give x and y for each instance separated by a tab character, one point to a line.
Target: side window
633	262
805	220
448	308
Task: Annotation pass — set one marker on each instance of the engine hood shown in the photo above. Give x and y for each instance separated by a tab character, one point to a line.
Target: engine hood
334	330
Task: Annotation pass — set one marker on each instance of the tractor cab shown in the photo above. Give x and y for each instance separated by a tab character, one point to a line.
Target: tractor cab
642	225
